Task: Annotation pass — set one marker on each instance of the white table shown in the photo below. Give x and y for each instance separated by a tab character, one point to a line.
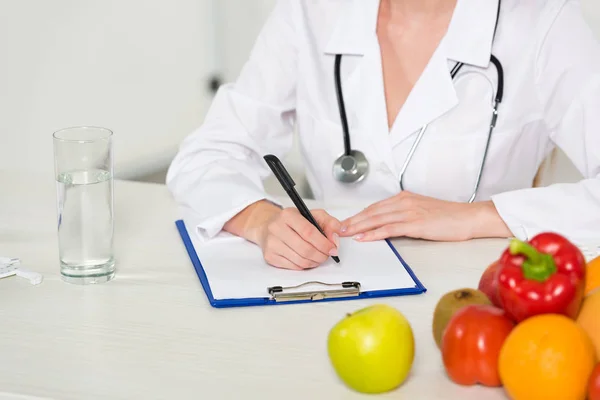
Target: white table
151	334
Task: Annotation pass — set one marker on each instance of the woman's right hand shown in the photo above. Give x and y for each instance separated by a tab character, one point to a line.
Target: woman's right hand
290	241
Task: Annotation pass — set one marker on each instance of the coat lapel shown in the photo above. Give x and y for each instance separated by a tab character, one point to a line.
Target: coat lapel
355	37
432	96
351	30
468	40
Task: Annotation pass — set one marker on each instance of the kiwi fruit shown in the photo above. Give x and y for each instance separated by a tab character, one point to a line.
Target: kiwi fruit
449	304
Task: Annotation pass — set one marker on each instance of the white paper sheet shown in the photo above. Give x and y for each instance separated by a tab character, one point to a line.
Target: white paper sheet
236	269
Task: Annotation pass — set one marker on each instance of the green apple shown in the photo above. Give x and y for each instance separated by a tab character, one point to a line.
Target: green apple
372	350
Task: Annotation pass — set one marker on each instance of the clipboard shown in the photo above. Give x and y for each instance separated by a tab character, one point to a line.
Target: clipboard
301	293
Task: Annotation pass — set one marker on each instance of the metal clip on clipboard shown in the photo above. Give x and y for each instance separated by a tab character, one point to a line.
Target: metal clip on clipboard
346	289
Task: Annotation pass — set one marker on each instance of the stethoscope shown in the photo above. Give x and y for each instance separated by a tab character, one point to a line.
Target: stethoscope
353	166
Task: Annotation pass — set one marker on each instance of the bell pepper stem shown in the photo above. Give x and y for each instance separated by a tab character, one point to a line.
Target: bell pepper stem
537	266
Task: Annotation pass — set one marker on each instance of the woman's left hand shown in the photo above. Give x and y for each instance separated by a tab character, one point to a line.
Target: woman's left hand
412	215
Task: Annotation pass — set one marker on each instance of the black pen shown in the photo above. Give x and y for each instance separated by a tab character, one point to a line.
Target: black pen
288	184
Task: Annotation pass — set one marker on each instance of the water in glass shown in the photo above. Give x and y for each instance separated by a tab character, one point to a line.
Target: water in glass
85	225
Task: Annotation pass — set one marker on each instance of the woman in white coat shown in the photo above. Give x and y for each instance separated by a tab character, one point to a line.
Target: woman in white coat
396	61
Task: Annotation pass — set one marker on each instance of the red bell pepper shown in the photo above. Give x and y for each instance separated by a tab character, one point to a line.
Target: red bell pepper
544	276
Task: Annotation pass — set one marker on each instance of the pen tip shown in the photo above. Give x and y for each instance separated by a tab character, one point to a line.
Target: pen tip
336	259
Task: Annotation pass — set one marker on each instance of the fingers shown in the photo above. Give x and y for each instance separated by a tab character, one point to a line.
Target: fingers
298	260
281	262
368	213
374	222
292	242
330	225
303	250
381	233
310	234
279	254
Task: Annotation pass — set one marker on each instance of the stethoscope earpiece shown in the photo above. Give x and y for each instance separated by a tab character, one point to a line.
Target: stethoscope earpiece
351	168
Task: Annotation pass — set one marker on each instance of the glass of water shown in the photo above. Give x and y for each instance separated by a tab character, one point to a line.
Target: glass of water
83	168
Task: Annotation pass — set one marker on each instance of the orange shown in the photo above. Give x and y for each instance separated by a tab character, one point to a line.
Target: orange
547	356
589	319
592	276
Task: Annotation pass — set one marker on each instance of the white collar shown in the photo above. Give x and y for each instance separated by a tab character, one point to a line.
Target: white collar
468	40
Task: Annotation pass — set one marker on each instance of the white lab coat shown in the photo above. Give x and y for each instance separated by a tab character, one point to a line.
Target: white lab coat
551	63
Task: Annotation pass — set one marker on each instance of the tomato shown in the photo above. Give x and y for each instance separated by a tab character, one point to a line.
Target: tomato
471	344
594	385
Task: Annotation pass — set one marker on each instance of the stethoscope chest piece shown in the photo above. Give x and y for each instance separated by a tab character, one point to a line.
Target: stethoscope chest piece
351	168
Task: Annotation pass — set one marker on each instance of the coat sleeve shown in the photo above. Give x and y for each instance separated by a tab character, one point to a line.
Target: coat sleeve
568	85
219	169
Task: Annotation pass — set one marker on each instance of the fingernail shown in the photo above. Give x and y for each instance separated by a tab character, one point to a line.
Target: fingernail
344	228
336	240
359	236
333	252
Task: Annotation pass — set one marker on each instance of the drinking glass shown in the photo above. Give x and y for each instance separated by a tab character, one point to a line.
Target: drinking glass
83	168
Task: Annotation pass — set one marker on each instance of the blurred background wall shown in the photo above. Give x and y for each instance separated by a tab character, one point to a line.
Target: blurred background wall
140	67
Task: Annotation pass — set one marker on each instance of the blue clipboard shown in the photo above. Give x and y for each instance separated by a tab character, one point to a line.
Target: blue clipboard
265	301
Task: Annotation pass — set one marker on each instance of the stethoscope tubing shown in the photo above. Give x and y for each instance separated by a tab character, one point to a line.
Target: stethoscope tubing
357	174
341	105
497	100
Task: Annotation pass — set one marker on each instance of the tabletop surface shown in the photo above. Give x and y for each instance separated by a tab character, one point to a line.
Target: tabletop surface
151	334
